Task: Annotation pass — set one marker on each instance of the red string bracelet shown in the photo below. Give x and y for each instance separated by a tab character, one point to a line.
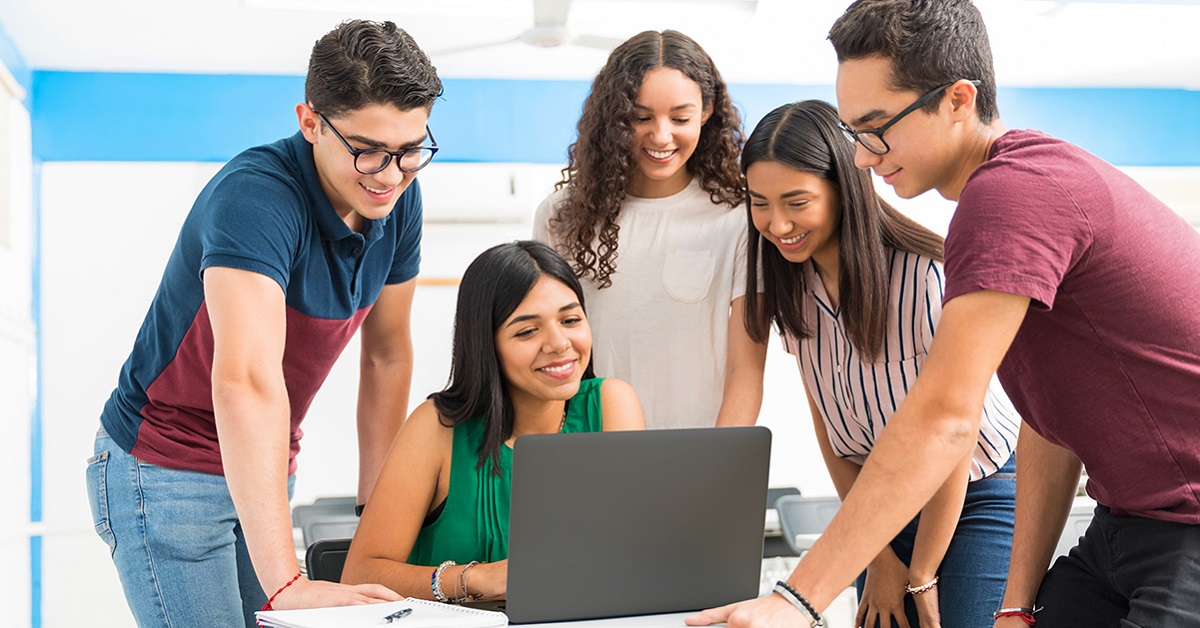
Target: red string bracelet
1024	614
267	606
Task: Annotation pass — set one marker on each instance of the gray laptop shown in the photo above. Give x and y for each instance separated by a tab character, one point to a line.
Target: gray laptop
632	523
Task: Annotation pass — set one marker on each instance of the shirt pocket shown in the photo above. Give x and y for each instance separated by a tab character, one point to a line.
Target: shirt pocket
688	275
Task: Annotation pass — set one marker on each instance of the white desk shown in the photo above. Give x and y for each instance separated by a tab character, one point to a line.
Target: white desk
641	621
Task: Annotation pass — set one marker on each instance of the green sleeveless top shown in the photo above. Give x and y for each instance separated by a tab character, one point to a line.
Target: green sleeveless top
473	524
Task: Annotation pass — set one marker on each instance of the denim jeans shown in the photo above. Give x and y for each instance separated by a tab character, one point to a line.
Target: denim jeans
972	574
1127	572
175	539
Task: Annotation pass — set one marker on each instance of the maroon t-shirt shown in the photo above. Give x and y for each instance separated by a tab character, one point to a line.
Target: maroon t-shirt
1107	361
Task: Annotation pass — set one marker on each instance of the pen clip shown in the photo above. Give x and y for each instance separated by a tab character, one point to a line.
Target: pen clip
400	614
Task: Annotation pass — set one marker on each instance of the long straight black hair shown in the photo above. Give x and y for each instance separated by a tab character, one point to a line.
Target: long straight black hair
492	288
806	136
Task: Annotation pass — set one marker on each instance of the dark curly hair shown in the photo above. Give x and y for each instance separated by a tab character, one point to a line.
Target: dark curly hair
600	163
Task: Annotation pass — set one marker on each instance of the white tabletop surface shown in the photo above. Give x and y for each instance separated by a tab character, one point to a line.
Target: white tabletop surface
640	621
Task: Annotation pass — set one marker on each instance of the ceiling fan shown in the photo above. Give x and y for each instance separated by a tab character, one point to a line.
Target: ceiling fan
549	31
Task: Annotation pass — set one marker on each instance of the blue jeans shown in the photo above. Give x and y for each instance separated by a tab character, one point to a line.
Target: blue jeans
972	574
175	539
1126	572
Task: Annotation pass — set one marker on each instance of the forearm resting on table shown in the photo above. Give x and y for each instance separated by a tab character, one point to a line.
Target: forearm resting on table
483	581
252	427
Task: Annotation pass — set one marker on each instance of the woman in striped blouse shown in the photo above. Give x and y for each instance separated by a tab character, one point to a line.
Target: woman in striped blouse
855	288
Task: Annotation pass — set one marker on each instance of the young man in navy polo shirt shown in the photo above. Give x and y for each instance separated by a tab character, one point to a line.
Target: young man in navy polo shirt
1070	281
288	251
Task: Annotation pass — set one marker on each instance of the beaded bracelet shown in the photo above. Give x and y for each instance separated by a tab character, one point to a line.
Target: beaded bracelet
911	590
462	584
435	582
267	606
1025	614
793	596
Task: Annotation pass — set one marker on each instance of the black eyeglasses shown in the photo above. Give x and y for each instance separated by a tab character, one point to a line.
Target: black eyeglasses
372	160
872	139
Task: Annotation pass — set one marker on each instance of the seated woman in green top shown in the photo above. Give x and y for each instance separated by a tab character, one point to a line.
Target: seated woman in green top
436	525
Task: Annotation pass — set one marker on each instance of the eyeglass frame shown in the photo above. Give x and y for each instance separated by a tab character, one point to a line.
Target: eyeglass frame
878	131
397	155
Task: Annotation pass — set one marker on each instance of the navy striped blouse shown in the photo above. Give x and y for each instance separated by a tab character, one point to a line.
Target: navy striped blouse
857	398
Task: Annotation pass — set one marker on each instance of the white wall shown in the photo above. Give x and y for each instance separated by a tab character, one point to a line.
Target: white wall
103	254
17	358
107	230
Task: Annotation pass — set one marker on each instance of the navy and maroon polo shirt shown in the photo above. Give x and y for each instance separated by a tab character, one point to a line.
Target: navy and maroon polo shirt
264	212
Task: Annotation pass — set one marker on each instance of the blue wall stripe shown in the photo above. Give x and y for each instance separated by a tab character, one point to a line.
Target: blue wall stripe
35	581
87	116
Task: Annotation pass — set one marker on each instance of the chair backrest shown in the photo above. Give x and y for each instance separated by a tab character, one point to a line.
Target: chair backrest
802	519
326	558
319	521
773	543
1078	521
347	502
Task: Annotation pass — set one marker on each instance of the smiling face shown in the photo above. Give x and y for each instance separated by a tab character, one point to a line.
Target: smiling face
545	345
668	116
356	196
921	152
797	211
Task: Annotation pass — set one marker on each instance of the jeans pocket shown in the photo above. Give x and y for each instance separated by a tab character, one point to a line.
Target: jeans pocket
97	485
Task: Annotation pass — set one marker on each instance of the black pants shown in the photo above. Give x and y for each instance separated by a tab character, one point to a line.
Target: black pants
1126	572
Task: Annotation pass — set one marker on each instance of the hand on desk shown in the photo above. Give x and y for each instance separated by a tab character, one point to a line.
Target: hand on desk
488	580
771	610
307	593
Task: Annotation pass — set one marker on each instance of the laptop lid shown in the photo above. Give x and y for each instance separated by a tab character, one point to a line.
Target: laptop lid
631	523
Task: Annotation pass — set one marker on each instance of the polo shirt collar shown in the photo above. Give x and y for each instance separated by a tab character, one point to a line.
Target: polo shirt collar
330	224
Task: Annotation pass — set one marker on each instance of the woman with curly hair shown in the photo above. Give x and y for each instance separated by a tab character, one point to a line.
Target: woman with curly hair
647	216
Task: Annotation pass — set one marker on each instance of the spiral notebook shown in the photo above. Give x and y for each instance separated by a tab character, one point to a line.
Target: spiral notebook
425	614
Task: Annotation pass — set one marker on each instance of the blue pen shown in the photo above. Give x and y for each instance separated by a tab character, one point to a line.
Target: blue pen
400	614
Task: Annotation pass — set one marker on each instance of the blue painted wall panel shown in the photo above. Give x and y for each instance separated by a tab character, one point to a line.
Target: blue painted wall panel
165	117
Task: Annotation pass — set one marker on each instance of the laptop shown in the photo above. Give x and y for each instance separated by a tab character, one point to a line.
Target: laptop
632	523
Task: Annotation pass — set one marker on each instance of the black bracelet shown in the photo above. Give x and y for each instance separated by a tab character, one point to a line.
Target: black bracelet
358	510
817	620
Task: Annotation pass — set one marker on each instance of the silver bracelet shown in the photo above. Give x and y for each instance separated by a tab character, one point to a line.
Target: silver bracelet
815	620
436	581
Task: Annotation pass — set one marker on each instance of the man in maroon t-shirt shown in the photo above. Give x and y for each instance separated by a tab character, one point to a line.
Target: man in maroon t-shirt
1074	284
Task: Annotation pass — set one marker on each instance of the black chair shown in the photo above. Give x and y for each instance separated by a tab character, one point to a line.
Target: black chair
326	558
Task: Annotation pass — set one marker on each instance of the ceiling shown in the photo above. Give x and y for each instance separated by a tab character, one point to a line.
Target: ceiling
1094	43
